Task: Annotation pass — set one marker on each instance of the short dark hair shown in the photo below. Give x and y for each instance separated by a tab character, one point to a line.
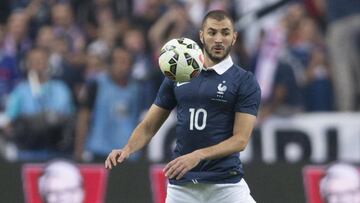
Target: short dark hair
218	15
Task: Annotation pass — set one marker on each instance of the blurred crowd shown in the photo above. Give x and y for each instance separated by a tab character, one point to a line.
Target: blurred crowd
77	75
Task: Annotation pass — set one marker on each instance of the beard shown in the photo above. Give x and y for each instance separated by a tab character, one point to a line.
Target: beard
217	58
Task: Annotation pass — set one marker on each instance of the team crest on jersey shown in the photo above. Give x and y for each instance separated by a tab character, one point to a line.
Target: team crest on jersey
221	89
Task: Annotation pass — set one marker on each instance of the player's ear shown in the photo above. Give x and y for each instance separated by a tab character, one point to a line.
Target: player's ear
234	38
201	35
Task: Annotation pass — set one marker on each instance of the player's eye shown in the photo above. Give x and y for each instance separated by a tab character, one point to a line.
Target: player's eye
226	33
211	33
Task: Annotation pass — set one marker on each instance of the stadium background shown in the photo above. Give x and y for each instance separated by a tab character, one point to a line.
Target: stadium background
305	119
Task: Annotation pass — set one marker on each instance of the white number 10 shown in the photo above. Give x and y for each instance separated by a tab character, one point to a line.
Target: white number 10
194	118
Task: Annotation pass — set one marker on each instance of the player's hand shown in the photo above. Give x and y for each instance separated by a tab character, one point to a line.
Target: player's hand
181	165
115	157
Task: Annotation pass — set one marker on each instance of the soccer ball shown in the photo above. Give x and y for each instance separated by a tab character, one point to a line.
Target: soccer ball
181	59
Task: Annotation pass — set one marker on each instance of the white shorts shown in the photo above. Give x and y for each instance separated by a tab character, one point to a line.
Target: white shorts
209	193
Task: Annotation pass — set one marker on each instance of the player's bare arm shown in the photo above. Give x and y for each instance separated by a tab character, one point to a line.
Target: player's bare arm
141	136
243	126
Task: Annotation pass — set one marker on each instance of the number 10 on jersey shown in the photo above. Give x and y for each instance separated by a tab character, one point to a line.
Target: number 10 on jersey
194	118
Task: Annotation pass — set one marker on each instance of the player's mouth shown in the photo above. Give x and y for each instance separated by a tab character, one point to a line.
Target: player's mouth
218	49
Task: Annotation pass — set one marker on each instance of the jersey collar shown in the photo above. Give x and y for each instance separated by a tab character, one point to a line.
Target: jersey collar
223	66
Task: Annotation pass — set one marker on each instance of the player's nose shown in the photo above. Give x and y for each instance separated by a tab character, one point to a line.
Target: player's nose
218	38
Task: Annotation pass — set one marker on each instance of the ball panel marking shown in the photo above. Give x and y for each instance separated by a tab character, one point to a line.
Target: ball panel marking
181	59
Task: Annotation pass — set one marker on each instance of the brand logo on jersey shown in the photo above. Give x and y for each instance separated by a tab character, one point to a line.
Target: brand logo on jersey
194	181
181	83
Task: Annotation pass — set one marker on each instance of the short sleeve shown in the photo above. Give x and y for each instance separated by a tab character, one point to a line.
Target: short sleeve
249	95
165	97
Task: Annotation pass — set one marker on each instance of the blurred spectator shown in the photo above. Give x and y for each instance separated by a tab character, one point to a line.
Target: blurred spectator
64	25
146	12
45	38
38	12
316	10
239	54
344	48
292	67
110	109
9	72
272	46
174	23
308	47
144	72
39	110
95	65
252	26
16	41
286	98
106	35
197	9
341	184
62	68
278	71
318	92
13	47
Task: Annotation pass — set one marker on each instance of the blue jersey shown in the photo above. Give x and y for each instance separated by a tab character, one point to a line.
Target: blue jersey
206	108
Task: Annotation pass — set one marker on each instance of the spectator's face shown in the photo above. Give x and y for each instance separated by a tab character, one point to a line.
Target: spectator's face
107	32
295	12
218	37
37	60
307	29
294	15
45	37
121	64
104	16
62	15
134	41
17	25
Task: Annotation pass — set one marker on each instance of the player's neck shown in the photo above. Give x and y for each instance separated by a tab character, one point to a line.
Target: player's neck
209	63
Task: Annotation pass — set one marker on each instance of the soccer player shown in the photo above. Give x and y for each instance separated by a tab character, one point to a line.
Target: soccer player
216	113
